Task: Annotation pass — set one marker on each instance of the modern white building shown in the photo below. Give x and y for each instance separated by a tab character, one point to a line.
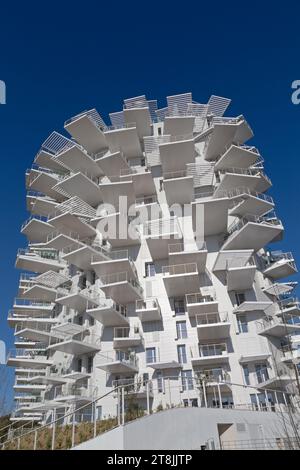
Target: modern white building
154	263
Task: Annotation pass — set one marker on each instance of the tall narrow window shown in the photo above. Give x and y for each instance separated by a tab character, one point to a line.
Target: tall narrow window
242	323
187	380
246	374
150	355
90	364
261	373
149	269
181	329
179	307
240	297
181	350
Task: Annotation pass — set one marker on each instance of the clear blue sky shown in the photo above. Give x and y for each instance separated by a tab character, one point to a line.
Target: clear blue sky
58	58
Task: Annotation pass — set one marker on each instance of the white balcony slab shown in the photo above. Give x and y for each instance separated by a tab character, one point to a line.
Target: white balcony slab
222	137
117	230
279	288
76	159
111	266
47	160
182	283
76	301
237	157
231	180
126	140
142	180
61	241
111	193
148	310
240	278
210	360
75	347
279	329
122	292
175	155
179	125
142	118
113	163
37	230
44	183
179	190
229	256
280	269
68	222
109	314
210	216
82	186
212	331
87	134
253	235
189	255
257	357
42	205
82	257
38	291
114	366
34	362
38	264
162	365
252	305
251	205
129	342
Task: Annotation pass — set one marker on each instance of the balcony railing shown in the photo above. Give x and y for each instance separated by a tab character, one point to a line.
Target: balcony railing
133	386
39	253
177	269
32	303
211	318
124	125
269	219
213	375
126	332
278	257
234	193
217	349
120	277
198	298
162	227
286	304
40	218
240	262
28	353
147	304
181	247
110	304
118	356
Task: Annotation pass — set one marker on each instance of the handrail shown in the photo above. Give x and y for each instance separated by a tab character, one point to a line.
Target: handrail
201	298
187	268
211	318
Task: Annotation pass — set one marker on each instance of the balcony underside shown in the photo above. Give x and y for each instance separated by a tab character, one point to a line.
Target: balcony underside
41	265
48	380
280	269
181	284
159	247
178	125
37	231
87	134
47	160
141	117
40	292
253	235
224	257
179	190
209	360
280	330
44	183
126	140
175	155
122	292
116	229
113	164
111	193
75	301
236	157
124	343
240	278
251	205
256	357
252	305
210	217
33	363
108	316
117	367
29	388
202	307
213	331
113	266
81	257
143	183
81	186
76	159
33	310
279	288
276	383
230	181
163	365
75	347
194	256
61	241
221	138
149	314
41	205
33	334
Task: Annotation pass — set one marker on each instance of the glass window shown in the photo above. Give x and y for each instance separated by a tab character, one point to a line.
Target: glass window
179	307
150	355
181	350
261	373
187	380
90	364
240	297
160	381
149	270
242	323
181	329
246	374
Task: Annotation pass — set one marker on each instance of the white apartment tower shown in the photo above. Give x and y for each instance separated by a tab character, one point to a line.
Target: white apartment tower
153	263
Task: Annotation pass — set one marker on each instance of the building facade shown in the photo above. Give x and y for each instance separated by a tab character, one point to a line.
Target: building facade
153	264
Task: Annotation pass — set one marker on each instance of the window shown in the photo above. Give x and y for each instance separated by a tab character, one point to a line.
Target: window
261	373
181	351
181	329
240	297
193	402
179	307
79	365
246	374
149	270
187	380
90	364
159	130
150	355
160	381
242	323
91	321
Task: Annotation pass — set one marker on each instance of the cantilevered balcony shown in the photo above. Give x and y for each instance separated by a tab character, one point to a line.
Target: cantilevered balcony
226	131
175	154
67	222
121	287
32	290
290	355
76	158
44	180
180	279
83	185
68	393
240	273
79	300
279	289
252	178
279	265
214	377
82	253
136	387
141	117
36	229
161	361
109	313
117	362
210	214
34	331
39	204
212	326
180	253
87	129
236	156
115	189
39	260
289	306
244	201
253	232
59	241
147	206
278	327
252	306
179	187
124	138
115	262
148	309
209	354
32	307
74	342
32	358
199	303
113	163
141	178
179	125
126	337
278	381
14	319
159	234
119	229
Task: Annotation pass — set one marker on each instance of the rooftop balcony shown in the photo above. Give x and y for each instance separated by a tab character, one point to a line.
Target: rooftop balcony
39	204
121	288
117	362
278	327
179	187
210	214
124	138
141	117
159	234
209	354
126	337
75	340
32	307
226	131
181	278
212	326
109	313
179	253
83	185
39	260
141	178
244	201
78	300
252	305
236	156
43	180
36	229
118	229
253	232
252	178
116	261
279	265
32	358
87	128
175	154
148	309
198	303
240	273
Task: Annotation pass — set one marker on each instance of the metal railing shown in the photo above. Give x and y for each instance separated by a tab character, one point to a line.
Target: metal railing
111	304
211	318
40	218
162	227
269	219
147	304
181	247
198	298
176	269
124	125
205	350
120	277
289	303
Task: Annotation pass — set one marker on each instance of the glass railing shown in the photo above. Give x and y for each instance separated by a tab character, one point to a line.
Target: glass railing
198	298
176	269
211	318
